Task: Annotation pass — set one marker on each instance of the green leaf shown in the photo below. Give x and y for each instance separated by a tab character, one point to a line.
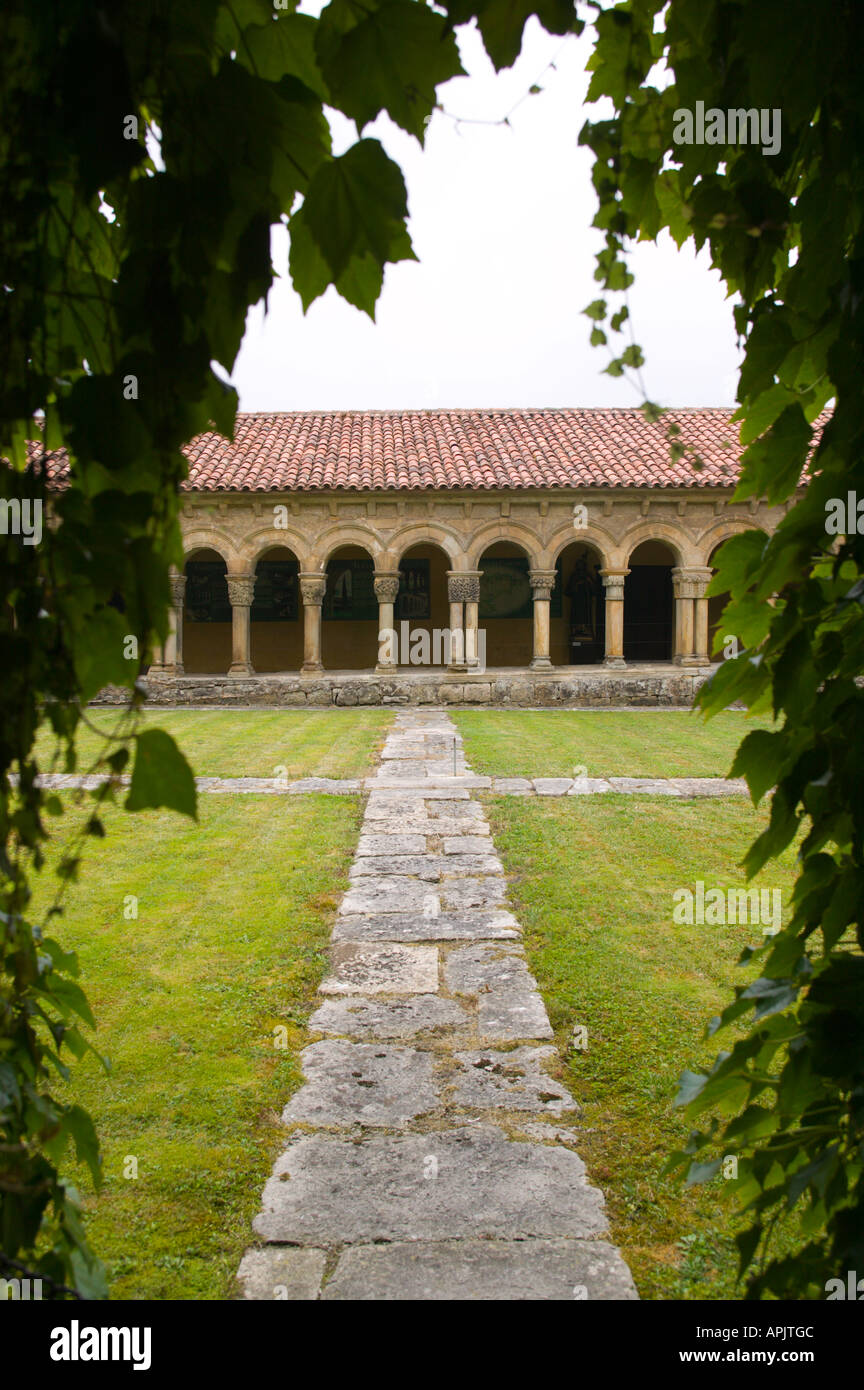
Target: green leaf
161	775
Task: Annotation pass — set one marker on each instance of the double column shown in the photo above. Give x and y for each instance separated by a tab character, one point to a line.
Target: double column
691	615
613	584
463	594
542	584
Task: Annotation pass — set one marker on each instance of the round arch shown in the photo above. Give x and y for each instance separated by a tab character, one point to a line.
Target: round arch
429	533
506	614
349	615
422	604
649	603
597	537
677	542
577	626
338	537
206	611
503	532
275	618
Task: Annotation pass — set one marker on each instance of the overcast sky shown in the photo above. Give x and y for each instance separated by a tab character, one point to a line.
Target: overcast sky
491	315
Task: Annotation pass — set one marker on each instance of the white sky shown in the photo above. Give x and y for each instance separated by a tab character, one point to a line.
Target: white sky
491	315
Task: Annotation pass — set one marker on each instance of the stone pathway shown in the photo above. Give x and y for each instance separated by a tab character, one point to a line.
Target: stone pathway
498	786
432	1154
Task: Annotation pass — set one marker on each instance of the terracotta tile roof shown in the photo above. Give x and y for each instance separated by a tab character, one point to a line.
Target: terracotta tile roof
359	450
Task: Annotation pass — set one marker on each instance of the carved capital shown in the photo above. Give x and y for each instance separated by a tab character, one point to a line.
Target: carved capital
462	587
613	582
386	587
312	587
690	582
178	589
542	584
241	588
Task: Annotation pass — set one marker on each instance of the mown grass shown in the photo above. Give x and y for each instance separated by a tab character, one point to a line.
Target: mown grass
593	880
230	941
632	743
248	743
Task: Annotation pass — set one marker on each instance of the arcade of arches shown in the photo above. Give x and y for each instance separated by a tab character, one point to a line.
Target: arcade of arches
261	594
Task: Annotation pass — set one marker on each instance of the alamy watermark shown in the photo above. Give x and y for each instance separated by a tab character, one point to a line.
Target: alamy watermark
742	126
719	907
439	647
21	516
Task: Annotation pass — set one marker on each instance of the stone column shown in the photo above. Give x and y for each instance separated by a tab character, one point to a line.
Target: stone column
462	588
312	587
472	617
613	582
386	589
241	588
542	584
691	615
172	652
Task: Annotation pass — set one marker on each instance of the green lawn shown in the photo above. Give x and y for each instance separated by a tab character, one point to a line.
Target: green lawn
251	743
634	743
234	919
593	886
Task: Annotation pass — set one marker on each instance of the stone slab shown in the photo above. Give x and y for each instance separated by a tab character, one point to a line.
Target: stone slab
482	1270
552	786
455	810
382	968
379	845
458	894
509	1006
393	893
474	843
482	924
388	866
350	1083
439	1186
281	1272
515	1080
421	1015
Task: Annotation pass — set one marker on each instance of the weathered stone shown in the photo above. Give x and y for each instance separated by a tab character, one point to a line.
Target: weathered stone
453	809
457	894
381	845
385	968
477	925
419	1015
552	786
470	864
395	893
468	844
370	1084
512	786
649	786
439	1186
386	867
281	1272
471	1270
514	1080
509	1006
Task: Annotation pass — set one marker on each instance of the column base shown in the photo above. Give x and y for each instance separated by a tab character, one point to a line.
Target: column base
240	668
311	668
540	663
386	669
690	661
615	663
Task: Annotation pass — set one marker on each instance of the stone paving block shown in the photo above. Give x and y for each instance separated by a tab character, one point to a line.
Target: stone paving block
451	826
552	786
281	1272
445	1185
474	843
472	925
460	893
420	1015
653	786
386	867
512	786
470	864
371	1084
395	893
377	845
382	968
589	786
514	1080
509	1006
456	810
474	1270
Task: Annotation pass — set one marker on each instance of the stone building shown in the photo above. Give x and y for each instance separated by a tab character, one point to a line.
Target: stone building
565	544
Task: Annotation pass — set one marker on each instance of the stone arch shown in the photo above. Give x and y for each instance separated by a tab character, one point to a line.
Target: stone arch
682	546
432	533
206	609
719	531
649	603
212	538
422	604
515	532
597	536
349	616
506	613
264	538
276	614
577	619
341	534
